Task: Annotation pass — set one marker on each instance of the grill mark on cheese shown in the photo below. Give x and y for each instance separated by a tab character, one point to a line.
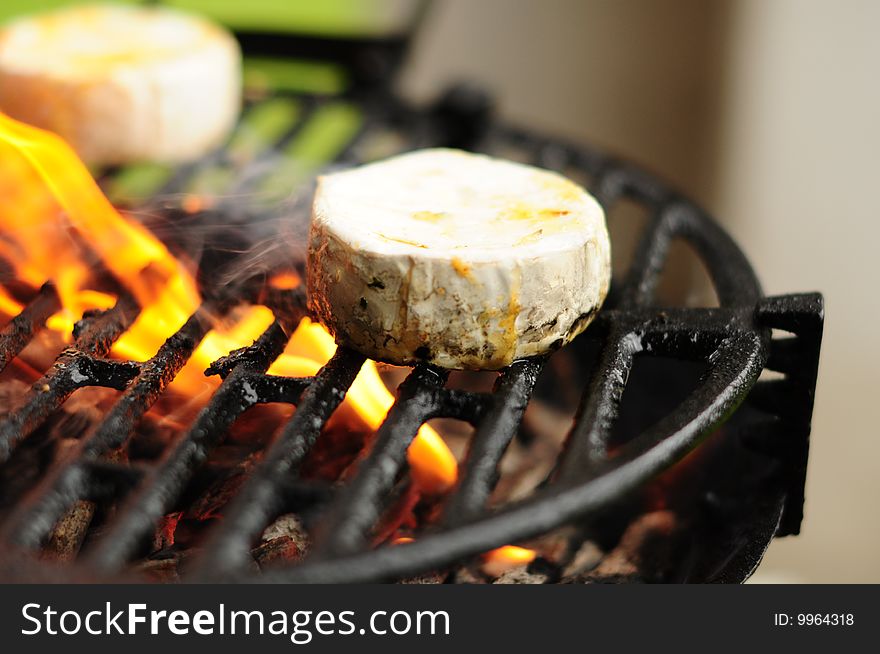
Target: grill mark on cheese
505	346
429	216
462	268
395	239
524	211
404	332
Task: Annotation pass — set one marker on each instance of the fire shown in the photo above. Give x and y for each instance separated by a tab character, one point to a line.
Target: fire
285	281
56	225
510	554
434	469
495	562
500	560
53	211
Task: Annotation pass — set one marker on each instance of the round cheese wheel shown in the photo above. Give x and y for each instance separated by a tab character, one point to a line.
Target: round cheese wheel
457	259
122	83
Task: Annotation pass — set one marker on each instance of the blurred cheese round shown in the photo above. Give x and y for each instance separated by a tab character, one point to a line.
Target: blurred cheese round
122	83
457	259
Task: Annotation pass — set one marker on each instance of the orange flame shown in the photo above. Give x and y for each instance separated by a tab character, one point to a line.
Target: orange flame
500	560
38	241
434	469
284	281
511	554
495	562
55	224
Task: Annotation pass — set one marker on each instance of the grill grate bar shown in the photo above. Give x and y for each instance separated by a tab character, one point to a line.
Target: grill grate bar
22	327
663	330
723	385
263	494
648	262
161	487
155	375
73	369
585	450
464	405
66	482
359	505
797	356
498	426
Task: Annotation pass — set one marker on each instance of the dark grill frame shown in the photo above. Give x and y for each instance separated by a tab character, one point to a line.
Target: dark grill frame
734	339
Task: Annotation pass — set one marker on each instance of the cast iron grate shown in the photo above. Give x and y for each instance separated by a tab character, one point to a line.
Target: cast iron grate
734	340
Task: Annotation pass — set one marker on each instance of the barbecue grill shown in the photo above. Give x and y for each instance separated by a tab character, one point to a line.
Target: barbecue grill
684	455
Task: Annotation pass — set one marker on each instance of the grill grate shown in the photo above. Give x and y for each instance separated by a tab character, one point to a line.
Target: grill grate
733	340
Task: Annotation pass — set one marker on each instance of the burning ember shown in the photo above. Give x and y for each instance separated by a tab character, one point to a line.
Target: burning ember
506	558
58	227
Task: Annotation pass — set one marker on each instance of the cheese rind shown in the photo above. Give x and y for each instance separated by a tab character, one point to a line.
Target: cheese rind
122	83
456	259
